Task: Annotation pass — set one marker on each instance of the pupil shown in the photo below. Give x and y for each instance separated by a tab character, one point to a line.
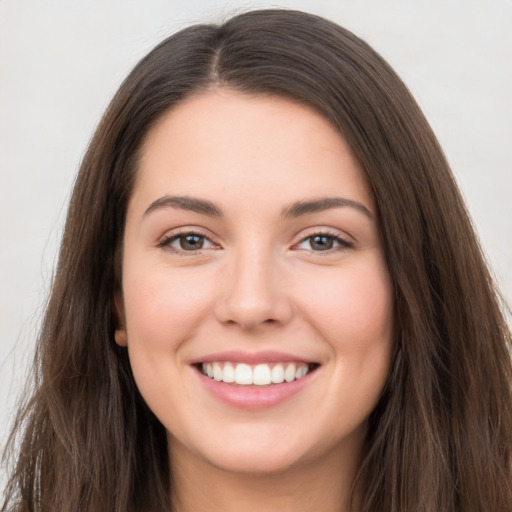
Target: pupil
191	242
321	242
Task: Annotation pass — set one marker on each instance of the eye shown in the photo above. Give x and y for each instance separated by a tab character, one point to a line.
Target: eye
322	242
186	242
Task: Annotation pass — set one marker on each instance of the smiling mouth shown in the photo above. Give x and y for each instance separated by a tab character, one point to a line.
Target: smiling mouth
263	374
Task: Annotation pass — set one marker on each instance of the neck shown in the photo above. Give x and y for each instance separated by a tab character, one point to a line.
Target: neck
199	486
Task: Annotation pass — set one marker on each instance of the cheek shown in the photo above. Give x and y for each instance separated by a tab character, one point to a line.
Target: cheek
356	304
353	312
355	318
163	306
163	309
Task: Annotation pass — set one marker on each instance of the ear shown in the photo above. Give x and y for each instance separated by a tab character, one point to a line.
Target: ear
120	333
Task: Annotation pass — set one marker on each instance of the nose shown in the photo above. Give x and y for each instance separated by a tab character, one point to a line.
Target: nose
253	293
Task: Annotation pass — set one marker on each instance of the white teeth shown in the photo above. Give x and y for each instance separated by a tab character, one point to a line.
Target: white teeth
258	375
278	374
217	371
243	374
289	373
300	372
261	375
228	374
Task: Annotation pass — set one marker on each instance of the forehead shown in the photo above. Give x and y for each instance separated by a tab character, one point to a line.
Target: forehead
223	141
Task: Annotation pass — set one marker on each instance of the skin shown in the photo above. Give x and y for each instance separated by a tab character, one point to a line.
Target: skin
258	283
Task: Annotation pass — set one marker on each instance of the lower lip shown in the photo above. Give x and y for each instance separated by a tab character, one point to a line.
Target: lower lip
254	398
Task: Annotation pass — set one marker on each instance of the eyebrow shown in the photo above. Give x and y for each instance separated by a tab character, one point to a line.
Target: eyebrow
325	203
185	203
296	209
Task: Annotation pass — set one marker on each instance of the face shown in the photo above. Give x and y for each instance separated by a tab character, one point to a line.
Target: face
256	303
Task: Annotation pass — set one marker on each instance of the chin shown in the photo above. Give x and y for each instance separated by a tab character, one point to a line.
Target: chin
245	451
255	462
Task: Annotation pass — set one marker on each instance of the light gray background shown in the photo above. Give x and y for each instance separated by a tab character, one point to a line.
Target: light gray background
60	63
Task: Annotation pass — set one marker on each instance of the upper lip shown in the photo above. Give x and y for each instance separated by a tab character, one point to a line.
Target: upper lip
267	356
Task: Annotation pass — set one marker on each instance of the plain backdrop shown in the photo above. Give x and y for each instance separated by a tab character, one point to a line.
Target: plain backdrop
61	62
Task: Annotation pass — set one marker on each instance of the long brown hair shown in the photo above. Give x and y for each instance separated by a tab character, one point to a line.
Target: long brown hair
440	438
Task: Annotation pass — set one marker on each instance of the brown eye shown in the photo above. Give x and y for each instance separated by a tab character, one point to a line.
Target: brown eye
187	242
191	242
321	242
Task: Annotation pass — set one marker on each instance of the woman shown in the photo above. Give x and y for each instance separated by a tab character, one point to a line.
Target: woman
269	295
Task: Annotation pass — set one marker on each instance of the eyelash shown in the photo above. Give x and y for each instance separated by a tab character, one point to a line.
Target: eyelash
166	241
343	244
